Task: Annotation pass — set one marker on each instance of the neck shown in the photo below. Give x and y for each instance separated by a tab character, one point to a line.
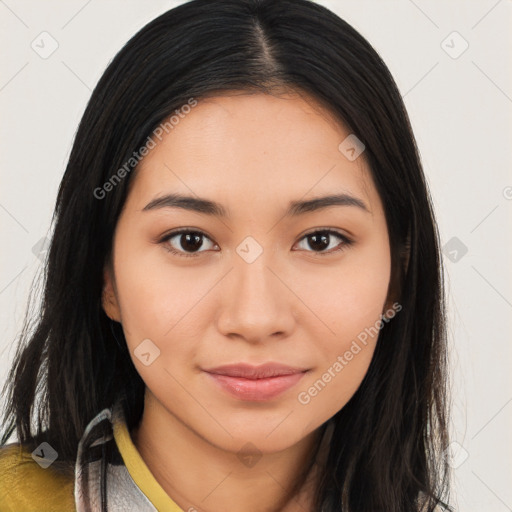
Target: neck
198	475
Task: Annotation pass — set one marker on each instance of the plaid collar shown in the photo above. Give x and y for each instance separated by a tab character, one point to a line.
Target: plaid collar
100	473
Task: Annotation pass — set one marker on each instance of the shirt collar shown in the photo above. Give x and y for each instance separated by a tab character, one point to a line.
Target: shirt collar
104	452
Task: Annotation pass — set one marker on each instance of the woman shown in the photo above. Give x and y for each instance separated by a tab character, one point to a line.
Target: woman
243	304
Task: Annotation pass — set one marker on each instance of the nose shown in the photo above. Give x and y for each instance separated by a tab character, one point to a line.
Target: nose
257	304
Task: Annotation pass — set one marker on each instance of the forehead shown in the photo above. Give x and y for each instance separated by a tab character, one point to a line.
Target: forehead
242	146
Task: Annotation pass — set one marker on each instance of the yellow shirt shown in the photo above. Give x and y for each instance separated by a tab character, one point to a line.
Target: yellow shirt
25	486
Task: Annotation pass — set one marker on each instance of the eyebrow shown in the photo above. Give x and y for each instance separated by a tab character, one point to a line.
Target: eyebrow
295	208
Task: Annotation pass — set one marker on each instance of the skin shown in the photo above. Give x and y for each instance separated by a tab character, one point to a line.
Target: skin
252	153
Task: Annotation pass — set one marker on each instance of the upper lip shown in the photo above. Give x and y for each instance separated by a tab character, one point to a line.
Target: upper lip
248	371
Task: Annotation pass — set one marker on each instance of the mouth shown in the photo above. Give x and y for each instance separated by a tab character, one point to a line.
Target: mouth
255	383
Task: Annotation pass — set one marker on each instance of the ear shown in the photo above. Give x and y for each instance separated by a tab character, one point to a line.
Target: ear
109	297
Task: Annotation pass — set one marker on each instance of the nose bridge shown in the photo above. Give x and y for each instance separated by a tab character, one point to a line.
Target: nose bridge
256	304
254	280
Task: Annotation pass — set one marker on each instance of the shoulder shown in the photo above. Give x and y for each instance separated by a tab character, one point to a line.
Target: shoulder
27	486
440	507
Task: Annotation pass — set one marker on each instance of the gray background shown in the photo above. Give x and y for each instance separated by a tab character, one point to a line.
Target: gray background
460	104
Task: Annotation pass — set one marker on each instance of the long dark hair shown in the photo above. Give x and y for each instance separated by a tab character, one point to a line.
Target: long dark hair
388	443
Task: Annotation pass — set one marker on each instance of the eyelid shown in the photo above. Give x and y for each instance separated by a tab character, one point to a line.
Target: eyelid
336	231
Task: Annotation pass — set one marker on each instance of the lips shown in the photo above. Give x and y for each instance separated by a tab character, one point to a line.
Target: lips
248	371
255	383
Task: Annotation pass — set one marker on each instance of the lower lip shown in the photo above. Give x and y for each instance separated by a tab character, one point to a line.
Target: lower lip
256	390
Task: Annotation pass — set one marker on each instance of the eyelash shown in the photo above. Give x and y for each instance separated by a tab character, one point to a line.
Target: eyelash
347	242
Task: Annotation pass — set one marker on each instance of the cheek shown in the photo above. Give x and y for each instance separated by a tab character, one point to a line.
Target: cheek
348	302
156	311
155	295
159	303
345	350
330	388
346	297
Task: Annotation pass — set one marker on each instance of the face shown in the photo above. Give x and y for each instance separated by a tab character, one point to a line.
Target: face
260	283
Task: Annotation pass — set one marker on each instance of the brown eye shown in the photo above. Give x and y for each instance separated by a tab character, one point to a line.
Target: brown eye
185	242
320	240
